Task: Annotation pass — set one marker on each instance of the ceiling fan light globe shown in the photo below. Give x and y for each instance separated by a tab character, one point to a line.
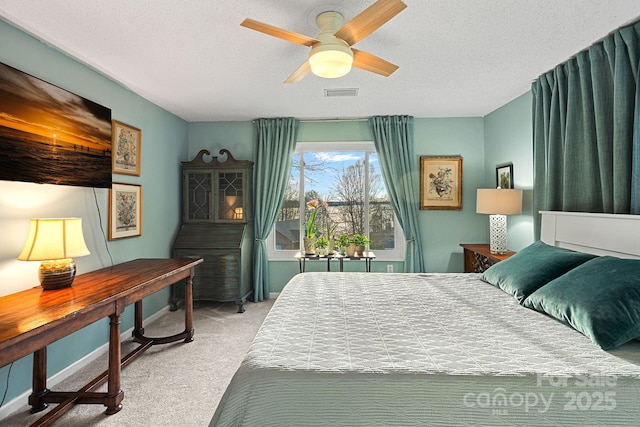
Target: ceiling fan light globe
330	61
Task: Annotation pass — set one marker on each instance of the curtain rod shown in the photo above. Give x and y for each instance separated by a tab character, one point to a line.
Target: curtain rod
332	120
329	120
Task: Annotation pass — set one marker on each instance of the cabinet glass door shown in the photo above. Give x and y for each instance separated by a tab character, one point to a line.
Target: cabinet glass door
231	204
199	191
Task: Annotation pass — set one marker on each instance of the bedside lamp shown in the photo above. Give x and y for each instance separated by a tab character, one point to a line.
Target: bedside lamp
498	203
54	241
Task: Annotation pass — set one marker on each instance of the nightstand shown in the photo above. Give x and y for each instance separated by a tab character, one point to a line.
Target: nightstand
477	257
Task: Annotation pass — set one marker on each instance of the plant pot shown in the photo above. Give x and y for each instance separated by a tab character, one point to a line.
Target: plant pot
309	245
351	249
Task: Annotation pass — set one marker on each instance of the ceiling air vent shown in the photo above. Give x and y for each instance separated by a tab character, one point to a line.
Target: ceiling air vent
340	92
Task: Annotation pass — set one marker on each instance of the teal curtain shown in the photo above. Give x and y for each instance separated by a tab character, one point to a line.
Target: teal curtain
275	144
393	138
585	130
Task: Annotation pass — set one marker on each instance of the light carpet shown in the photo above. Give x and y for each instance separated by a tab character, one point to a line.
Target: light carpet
172	384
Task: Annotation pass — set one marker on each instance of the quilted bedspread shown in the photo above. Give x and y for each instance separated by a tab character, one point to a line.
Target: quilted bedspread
423	349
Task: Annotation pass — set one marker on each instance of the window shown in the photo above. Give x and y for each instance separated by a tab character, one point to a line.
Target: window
347	176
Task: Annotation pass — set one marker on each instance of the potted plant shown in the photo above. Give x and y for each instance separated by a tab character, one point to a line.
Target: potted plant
343	242
321	245
331	237
361	241
311	228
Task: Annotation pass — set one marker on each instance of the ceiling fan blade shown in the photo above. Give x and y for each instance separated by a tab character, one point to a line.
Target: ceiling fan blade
369	20
289	36
299	74
369	62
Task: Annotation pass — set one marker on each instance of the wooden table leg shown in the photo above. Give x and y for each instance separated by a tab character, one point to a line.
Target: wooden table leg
113	402
186	335
138	329
188	309
39	381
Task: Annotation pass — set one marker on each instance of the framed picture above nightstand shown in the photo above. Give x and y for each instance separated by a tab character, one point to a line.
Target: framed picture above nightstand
504	175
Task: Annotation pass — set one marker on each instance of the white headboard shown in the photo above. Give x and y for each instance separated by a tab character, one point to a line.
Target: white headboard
599	234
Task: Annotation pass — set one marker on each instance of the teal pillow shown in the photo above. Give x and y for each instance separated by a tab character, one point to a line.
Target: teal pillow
533	267
600	299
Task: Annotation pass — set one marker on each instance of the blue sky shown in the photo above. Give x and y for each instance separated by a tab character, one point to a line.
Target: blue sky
336	162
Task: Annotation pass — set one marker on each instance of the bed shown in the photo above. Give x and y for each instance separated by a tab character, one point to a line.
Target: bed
379	349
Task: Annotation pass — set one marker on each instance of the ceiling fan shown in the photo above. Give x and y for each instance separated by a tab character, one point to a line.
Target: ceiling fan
331	53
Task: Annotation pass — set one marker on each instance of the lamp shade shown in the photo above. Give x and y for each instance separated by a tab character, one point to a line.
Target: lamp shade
54	241
499	201
54	238
331	60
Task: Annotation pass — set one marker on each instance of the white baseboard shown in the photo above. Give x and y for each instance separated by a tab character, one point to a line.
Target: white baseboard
274	295
21	400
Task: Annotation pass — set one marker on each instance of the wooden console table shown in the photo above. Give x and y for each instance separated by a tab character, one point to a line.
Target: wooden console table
34	318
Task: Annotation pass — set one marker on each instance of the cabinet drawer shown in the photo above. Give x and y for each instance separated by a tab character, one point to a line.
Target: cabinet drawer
217	278
219	264
210	289
216	282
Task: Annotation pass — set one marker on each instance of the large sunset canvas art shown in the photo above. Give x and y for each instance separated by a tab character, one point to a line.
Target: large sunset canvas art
51	136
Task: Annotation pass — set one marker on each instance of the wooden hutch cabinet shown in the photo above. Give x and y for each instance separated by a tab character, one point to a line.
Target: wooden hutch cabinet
217	225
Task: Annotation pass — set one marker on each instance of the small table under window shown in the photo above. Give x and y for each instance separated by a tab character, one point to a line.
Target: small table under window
366	256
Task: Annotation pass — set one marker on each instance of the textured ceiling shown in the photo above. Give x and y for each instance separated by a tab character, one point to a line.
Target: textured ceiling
457	58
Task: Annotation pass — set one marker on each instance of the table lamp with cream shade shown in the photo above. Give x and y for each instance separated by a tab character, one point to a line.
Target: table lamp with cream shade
498	203
54	241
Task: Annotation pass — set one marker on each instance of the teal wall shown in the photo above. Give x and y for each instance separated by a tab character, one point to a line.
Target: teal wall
237	137
476	139
502	136
508	137
444	230
164	144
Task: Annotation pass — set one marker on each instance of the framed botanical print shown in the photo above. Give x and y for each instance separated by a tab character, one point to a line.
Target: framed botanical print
441	182
125	211
126	142
504	176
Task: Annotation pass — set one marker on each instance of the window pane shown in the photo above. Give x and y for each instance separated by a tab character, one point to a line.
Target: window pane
351	184
347	189
288	222
381	217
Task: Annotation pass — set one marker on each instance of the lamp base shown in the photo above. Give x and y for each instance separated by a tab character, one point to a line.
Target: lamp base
57	274
498	234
